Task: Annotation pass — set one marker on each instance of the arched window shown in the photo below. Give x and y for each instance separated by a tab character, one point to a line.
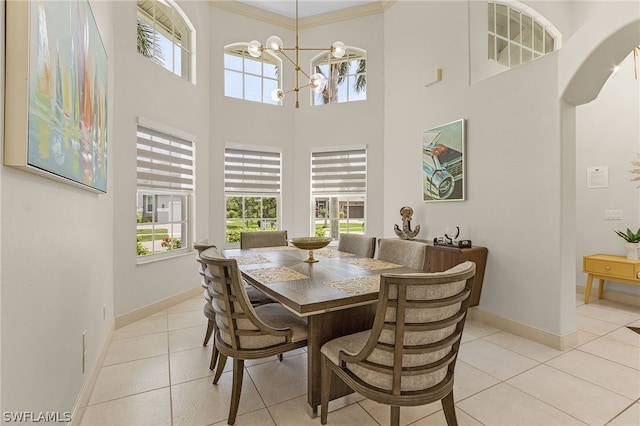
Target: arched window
249	78
166	36
518	34
346	77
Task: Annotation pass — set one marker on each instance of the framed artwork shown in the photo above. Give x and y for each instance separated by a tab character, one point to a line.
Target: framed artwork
443	162
56	92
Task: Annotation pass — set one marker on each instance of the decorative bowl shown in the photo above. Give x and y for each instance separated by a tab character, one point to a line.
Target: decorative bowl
311	244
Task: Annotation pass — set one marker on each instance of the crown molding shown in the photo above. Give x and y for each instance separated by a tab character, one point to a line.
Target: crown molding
248	11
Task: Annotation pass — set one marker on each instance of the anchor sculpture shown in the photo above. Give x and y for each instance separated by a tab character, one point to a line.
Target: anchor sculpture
406	233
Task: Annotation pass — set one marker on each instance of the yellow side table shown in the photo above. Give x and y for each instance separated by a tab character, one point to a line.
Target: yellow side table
609	267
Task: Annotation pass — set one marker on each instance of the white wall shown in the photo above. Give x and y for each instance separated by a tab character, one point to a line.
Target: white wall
57	272
608	134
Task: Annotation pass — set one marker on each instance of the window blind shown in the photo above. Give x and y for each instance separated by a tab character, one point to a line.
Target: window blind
165	162
339	172
251	172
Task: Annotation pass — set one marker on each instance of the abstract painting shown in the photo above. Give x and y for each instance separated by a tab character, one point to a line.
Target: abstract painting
66	93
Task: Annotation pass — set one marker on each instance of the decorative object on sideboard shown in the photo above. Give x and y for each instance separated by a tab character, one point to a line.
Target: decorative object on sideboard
633	243
406	233
452	238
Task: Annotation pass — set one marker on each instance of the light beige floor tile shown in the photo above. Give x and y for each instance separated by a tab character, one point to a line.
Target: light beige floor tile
610	375
280	381
630	417
614	350
132	348
382	413
149	325
186	319
254	418
469	380
617	306
476	329
438	419
191	364
625	335
201	403
634	324
188	338
585	401
584	337
294	413
193	304
129	378
610	315
149	408
483	355
526	347
595	326
505	405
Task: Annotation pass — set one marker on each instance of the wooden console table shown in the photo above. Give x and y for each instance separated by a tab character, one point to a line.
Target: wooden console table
609	267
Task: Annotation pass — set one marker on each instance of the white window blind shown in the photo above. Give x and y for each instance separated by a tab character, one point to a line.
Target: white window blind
251	172
339	172
165	162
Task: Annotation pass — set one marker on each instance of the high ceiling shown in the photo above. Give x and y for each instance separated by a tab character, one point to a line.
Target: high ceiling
306	7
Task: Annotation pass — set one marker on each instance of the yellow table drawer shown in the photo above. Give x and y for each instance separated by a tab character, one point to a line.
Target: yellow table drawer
617	269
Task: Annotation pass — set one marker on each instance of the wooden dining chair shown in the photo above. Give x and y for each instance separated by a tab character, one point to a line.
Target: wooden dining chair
409	355
242	330
255	239
357	244
412	254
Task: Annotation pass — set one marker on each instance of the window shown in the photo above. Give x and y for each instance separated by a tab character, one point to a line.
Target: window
165	171
338	191
249	78
252	190
518	34
346	77
166	36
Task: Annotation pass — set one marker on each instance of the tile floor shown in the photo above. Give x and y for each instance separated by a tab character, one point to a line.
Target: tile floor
156	373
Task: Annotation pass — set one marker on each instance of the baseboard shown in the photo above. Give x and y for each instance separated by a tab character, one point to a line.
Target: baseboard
156	307
613	295
549	339
87	388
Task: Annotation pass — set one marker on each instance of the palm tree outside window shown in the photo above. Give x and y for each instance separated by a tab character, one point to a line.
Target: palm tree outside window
346	77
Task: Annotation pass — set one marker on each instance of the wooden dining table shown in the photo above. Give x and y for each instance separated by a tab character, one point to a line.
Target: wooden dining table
337	295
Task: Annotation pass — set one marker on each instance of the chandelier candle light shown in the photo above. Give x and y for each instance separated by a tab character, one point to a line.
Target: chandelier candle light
274	45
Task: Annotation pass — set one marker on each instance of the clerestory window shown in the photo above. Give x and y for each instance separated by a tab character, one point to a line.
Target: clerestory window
346	77
249	78
166	36
518	34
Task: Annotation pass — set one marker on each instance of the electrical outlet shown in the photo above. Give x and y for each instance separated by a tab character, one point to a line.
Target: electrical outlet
613	214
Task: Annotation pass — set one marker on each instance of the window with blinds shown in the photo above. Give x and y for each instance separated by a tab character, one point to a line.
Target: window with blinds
165	184
252	190
338	191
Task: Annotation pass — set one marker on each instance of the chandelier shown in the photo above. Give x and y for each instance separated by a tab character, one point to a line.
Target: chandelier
317	81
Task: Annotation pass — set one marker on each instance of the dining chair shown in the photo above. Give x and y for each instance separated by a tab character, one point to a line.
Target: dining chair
255	239
409	355
412	254
357	244
243	331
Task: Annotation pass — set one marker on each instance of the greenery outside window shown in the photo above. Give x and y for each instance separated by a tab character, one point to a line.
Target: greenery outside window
338	191
346	77
518	34
166	36
165	184
252	190
249	78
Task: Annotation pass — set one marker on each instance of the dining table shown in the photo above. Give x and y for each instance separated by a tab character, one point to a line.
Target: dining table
337	294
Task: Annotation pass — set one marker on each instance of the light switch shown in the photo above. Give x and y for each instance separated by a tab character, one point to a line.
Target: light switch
613	214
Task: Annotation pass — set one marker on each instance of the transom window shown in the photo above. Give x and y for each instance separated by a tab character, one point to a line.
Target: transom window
252	190
166	36
346	77
518	34
339	191
165	175
249	78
